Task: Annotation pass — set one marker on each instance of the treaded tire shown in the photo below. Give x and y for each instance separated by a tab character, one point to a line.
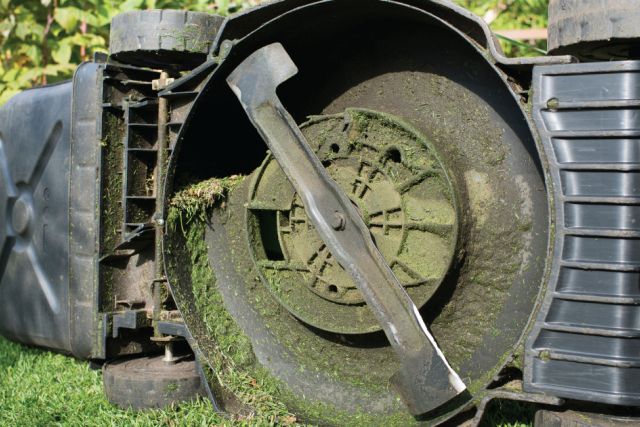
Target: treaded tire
573	418
163	38
148	382
595	29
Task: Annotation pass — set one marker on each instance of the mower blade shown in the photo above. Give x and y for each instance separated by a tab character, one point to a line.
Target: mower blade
425	380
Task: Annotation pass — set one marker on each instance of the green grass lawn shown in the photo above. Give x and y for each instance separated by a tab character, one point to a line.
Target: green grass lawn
40	388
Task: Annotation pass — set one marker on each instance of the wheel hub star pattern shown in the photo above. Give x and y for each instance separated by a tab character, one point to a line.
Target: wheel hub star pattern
18	241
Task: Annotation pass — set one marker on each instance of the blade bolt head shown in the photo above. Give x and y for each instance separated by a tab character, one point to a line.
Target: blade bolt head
338	221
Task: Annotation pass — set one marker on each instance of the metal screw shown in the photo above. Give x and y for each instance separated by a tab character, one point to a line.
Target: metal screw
338	221
169	356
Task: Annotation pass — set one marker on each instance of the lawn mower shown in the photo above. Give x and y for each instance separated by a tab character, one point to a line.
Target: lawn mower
357	212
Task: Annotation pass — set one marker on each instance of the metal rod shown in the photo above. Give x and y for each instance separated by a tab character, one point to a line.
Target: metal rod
161	145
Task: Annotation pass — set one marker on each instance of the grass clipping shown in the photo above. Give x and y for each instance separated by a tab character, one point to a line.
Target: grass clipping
195	201
232	359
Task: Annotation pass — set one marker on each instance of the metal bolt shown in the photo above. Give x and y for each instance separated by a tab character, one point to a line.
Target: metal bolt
338	221
169	356
553	103
21	215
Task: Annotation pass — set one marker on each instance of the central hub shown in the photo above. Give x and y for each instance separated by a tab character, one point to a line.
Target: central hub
21	215
403	192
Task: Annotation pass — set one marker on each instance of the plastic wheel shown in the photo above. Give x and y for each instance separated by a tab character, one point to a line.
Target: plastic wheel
149	382
163	38
595	29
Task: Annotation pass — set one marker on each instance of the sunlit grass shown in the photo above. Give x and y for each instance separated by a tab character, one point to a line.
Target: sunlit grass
40	388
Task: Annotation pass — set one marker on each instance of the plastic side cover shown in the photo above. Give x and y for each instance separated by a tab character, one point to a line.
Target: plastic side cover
34	166
586	341
84	211
39	304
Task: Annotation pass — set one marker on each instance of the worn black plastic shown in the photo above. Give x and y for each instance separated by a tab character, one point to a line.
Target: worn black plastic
48	207
163	38
586	341
84	211
150	382
595	29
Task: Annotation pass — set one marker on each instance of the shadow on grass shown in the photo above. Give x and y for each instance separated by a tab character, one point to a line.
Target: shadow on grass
40	388
508	413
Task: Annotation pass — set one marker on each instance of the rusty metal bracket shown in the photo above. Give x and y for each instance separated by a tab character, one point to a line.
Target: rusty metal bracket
425	380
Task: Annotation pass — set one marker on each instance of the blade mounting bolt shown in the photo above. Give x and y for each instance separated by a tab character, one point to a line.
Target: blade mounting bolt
338	221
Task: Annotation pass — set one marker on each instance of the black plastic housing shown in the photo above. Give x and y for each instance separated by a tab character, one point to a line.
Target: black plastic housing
585	344
48	206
